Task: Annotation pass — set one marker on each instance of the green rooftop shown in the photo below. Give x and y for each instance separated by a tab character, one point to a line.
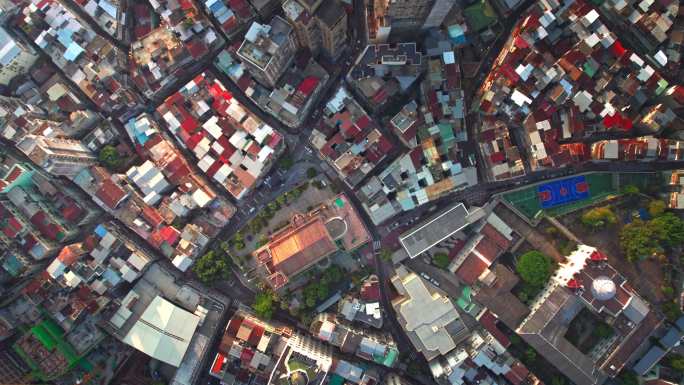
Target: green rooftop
480	15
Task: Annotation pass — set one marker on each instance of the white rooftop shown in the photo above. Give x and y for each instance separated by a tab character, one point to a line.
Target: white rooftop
163	331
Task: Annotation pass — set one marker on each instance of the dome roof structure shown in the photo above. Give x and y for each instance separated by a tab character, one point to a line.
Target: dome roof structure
603	288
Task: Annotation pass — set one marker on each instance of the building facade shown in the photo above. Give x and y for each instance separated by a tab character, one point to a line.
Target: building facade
15	57
60	157
268	50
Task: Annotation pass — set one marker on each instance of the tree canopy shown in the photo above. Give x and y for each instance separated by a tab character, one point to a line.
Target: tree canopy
599	217
263	304
211	266
441	260
641	239
534	268
110	157
656	208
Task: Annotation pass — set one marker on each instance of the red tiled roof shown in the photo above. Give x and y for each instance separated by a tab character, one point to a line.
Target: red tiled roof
471	269
14	173
617	49
308	85
384	145
110	193
169	234
72	212
189	124
13	228
497	157
70	254
370	292
152	216
488	249
218	363
488	321
495	236
517	374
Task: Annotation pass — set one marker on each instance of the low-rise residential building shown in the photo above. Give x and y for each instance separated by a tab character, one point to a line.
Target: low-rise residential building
564	75
89	60
158	60
190	25
292	100
110	15
372	346
472	258
252	351
500	154
436	163
161	200
675	188
231	144
38	215
233	16
308	239
646	148
348	139
382	71
365	307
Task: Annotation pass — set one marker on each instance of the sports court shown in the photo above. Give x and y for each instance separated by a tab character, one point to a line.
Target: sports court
563	191
562	196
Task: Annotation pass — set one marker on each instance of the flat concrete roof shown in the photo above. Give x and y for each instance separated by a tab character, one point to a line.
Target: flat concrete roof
436	230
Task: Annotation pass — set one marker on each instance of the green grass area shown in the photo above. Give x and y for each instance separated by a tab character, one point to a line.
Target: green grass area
601	186
480	15
294	365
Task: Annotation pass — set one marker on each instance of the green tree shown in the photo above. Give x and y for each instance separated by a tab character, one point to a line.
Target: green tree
639	240
281	200
333	274
530	355
556	380
211	266
667	291
385	255
603	331
322	291
628	377
656	208
110	157
311	173
534	268
286	162
676	362
263	304
671	310
630	189
598	218
670	227
441	260
273	206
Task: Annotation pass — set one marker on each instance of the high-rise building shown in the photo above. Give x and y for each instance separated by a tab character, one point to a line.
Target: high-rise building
333	23
404	16
321	29
62	157
15	57
305	25
268	50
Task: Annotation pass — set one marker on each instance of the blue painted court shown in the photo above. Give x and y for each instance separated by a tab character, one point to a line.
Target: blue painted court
563	191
